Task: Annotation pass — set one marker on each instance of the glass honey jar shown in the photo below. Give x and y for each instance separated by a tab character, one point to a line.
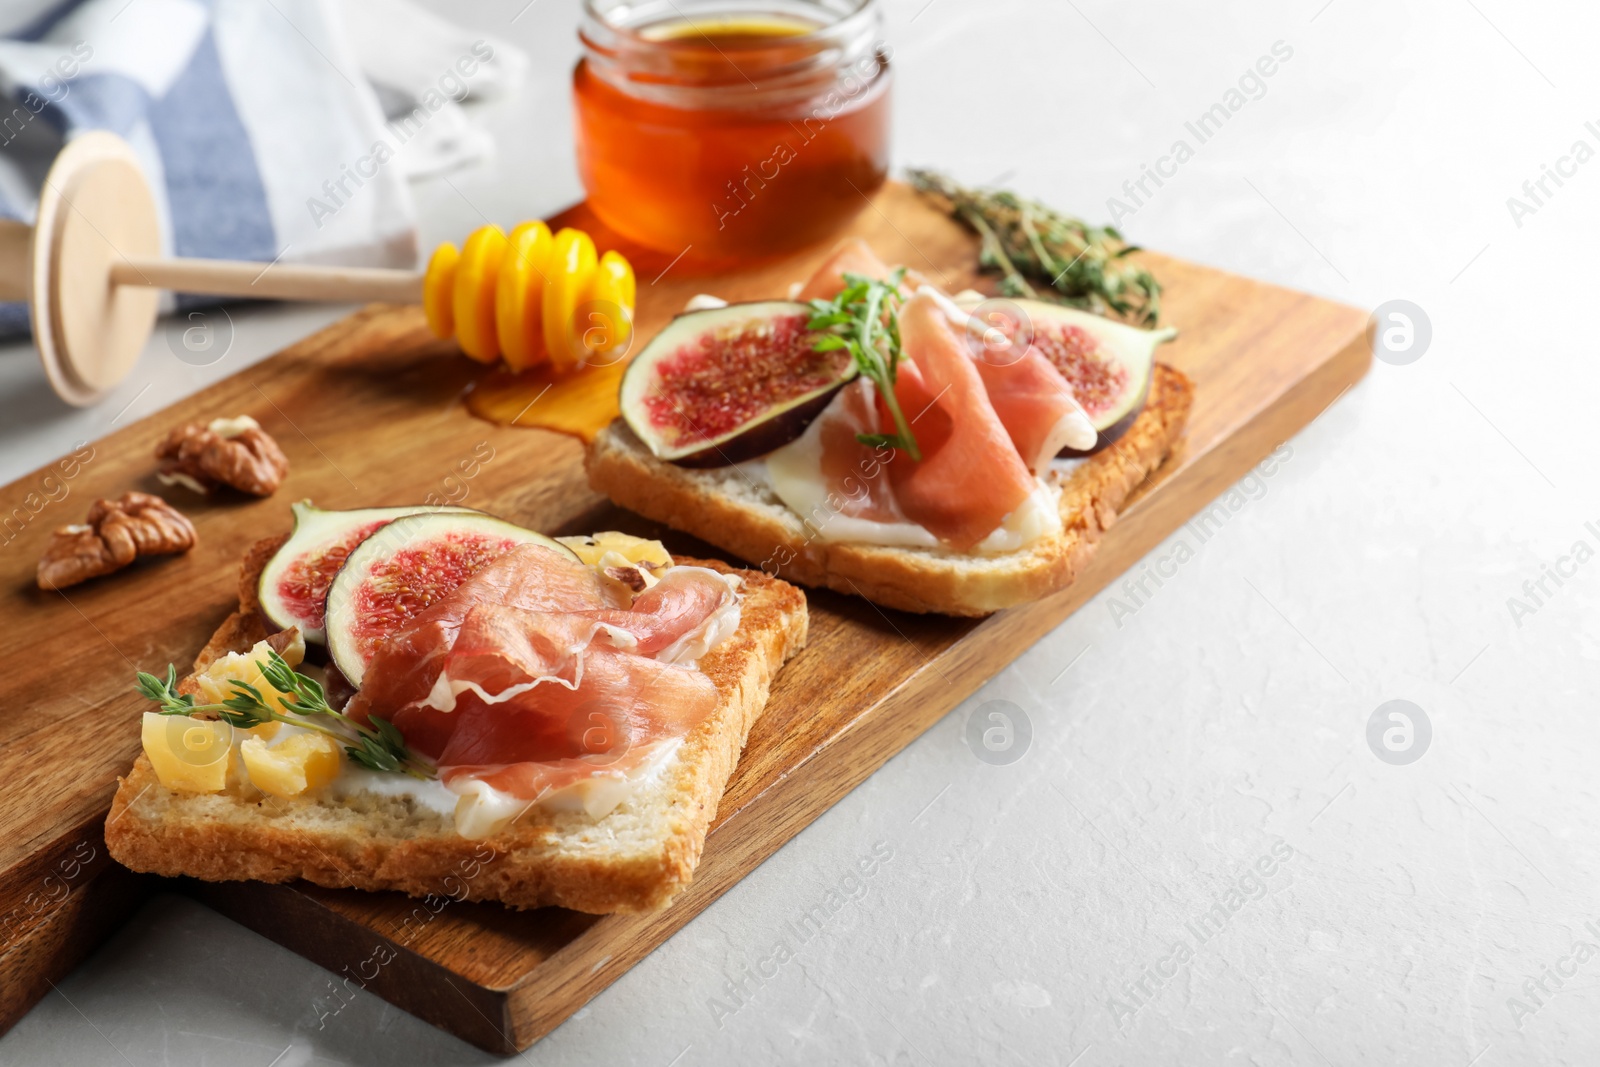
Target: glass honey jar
722	130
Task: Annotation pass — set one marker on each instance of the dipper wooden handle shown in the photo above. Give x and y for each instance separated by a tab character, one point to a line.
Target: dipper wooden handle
273	281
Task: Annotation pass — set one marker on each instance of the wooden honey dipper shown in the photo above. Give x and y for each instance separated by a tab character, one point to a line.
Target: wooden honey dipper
91	270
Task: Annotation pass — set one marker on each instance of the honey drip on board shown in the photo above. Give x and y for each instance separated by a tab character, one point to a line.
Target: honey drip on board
582	402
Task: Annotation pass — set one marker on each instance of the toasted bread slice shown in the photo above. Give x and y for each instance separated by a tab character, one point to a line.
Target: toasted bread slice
635	859
726	508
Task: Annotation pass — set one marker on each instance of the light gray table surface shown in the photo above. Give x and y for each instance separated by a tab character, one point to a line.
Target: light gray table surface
1434	912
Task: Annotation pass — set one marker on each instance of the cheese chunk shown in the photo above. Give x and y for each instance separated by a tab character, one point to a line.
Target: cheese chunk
624	548
189	755
304	761
214	683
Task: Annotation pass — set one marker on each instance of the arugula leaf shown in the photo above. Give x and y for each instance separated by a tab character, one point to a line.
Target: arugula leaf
864	319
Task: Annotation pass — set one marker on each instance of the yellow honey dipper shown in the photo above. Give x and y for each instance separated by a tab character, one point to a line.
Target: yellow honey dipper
530	296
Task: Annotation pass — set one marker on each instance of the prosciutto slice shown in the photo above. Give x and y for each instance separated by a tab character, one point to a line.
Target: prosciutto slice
529	578
532	675
1032	399
971	475
850	256
1035	405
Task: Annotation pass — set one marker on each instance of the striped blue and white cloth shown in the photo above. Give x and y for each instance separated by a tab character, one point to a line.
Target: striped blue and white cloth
282	130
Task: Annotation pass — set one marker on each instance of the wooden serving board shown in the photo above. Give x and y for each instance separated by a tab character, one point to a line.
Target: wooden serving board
370	413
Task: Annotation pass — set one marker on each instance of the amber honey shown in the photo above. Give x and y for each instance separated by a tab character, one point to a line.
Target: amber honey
581	403
726	132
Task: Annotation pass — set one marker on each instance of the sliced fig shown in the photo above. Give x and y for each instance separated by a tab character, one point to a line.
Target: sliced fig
294	583
720	386
410	563
1107	363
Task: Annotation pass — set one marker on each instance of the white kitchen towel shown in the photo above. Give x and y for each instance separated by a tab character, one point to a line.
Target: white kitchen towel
269	130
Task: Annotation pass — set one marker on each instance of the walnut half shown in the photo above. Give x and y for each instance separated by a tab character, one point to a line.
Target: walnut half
236	452
113	536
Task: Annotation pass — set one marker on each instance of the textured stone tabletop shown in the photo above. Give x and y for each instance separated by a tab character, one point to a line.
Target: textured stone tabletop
1208	852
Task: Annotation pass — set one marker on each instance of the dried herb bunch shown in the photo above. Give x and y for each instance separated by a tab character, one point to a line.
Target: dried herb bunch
1036	247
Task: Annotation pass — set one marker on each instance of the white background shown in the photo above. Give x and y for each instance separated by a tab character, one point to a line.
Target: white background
1229	712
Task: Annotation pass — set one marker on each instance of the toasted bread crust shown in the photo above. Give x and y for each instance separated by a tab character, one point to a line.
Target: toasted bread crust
543	859
911	579
256	559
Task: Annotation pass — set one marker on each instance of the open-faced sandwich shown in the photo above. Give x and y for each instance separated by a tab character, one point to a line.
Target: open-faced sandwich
499	715
880	437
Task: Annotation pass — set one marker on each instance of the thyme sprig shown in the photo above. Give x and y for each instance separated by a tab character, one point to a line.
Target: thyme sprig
865	320
1074	263
378	747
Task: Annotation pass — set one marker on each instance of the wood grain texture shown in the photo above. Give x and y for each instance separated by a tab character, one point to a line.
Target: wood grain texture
60	905
369	413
